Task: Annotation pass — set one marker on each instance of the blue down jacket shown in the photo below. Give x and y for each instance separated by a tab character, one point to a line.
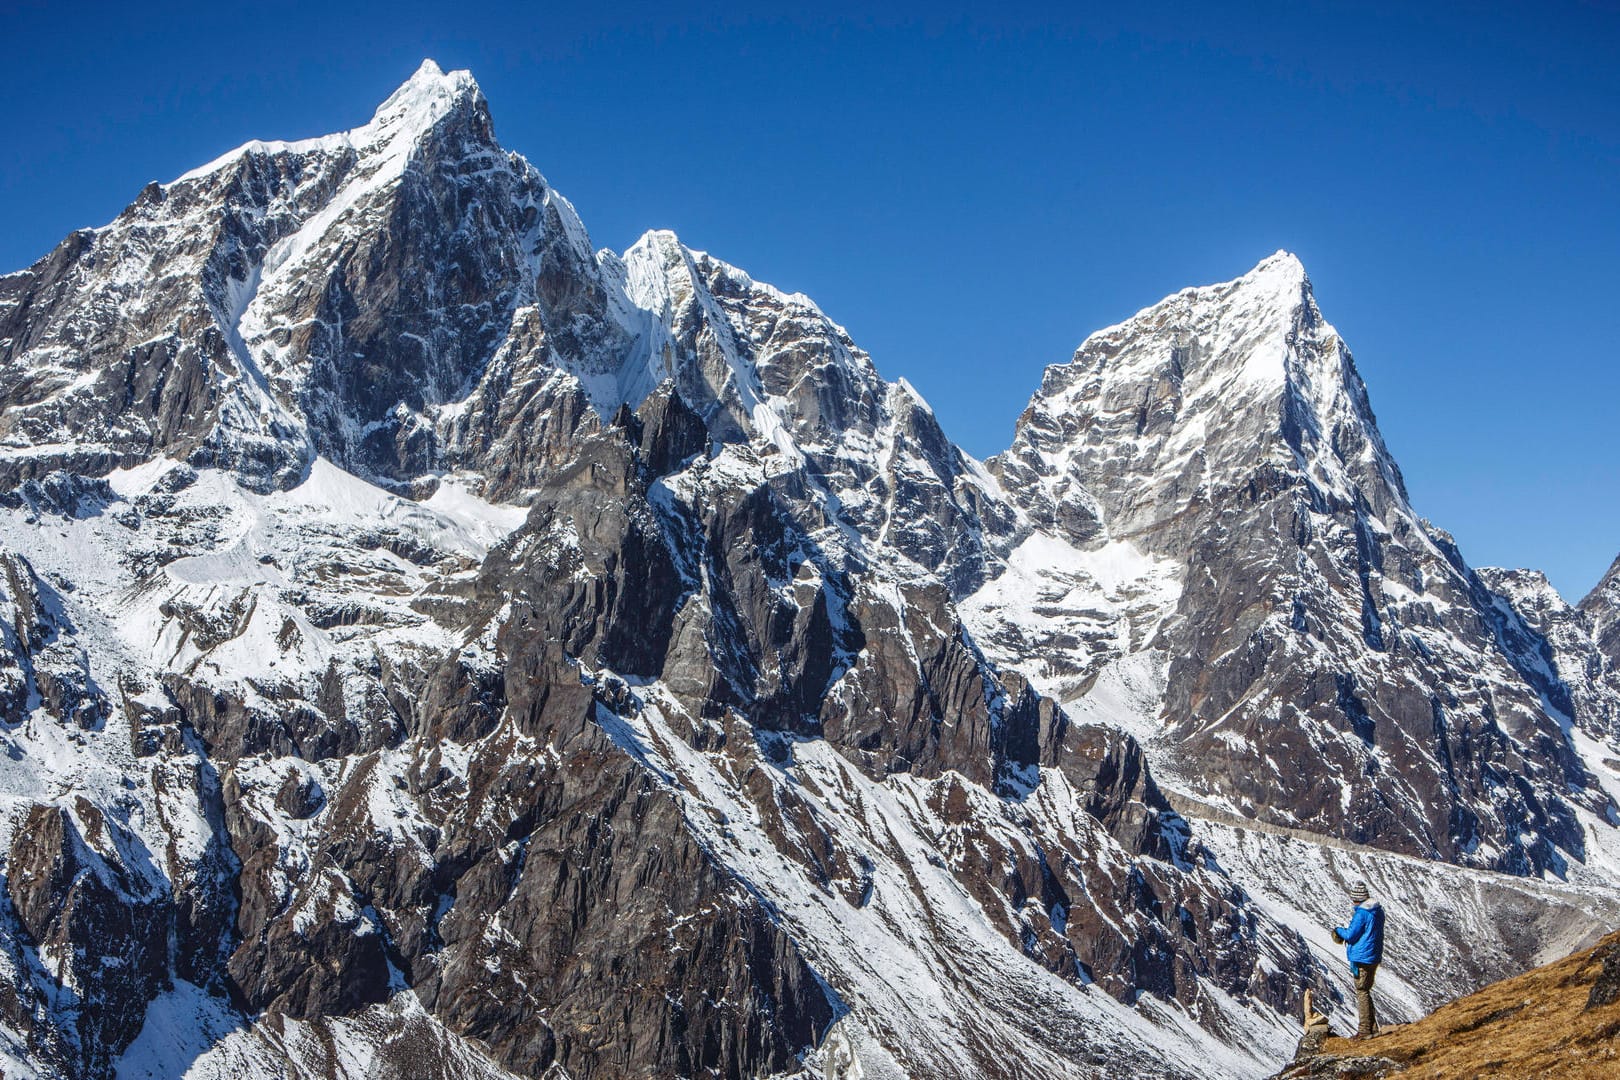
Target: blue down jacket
1364	937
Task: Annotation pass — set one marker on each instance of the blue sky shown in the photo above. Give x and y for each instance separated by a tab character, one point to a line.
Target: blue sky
971	193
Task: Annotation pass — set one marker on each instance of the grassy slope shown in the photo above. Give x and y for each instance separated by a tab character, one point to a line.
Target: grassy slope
1533	1025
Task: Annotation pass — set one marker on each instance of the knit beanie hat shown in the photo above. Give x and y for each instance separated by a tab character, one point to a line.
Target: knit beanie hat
1358	892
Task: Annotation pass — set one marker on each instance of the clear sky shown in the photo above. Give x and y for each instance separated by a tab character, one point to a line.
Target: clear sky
973	191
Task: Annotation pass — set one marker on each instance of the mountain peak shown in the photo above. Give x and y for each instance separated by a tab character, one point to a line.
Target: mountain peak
429	69
1281	260
404	117
424	98
663	247
1280	277
1213	382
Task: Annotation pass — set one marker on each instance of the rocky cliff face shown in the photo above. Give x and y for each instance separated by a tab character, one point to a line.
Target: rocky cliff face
1569	643
1602	607
1299	644
466	653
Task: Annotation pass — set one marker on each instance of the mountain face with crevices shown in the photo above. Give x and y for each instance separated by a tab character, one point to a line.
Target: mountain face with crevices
1309	650
432	647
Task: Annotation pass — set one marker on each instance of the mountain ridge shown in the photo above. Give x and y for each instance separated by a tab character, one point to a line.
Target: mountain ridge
580	660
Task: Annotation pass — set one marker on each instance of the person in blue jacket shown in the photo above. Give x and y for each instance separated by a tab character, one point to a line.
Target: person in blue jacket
1363	942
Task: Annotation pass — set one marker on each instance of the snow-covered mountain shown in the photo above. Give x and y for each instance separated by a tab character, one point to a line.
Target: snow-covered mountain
431	647
1299	645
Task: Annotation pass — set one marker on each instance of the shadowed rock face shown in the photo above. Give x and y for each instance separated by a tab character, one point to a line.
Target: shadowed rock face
1602	607
414	621
75	900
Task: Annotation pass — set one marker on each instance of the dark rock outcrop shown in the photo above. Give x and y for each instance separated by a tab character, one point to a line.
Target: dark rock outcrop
1602	607
93	931
1606	987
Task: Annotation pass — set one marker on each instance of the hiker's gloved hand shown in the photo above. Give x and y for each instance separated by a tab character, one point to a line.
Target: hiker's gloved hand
1337	938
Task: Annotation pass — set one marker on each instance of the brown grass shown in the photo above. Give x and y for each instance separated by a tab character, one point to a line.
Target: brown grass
1534	1025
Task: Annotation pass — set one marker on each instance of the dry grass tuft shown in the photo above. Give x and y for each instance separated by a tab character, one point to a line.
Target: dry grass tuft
1533	1025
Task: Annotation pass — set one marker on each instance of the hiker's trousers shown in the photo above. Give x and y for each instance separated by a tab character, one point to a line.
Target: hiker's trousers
1366	1015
